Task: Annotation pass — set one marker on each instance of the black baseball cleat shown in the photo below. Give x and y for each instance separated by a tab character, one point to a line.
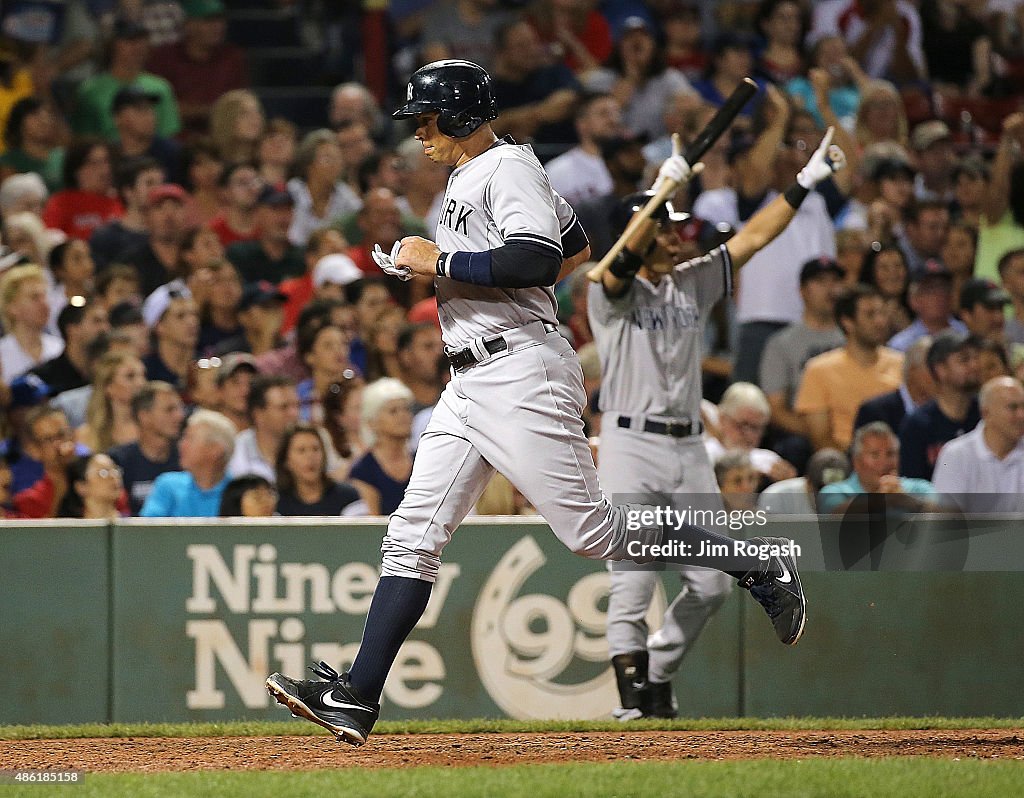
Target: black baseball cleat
329	701
776	586
659	702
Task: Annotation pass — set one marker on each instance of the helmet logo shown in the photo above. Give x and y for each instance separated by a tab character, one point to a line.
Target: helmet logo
408	92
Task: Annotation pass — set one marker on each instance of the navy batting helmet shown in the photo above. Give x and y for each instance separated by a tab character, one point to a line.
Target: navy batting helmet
687	227
631	203
460	91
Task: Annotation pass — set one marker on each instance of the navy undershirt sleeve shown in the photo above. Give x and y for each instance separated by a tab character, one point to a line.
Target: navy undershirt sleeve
518	264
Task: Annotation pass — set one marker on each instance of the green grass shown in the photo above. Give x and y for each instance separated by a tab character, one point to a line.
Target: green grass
830	778
483	726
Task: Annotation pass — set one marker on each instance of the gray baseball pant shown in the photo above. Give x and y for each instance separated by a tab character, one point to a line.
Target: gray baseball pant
519	413
658	469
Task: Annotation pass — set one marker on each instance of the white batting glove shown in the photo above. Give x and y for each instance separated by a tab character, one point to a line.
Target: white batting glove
675	167
826	161
387	262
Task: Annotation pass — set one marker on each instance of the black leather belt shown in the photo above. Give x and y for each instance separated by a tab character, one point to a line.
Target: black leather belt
462	358
675	429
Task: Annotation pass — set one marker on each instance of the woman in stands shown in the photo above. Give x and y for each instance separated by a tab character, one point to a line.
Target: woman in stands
885	268
342	407
302	480
881	116
782	24
88	199
323	348
95	489
387	424
73	270
25	312
317	189
109	422
236	125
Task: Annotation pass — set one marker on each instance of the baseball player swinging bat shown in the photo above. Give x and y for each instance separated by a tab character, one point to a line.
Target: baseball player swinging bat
705	139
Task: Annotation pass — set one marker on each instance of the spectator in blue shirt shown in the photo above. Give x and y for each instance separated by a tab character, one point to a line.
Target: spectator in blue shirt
875	457
195	491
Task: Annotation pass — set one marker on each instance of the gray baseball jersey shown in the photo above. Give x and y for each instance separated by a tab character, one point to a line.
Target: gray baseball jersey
518	412
500	196
650	340
650	343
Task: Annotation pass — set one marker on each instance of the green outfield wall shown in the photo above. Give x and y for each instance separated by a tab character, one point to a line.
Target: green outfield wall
143	621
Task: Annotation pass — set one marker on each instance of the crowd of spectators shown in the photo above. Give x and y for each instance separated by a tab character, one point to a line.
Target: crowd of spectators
191	323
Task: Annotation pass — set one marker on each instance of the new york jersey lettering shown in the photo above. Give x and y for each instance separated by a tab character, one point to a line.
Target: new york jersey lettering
665	318
455	216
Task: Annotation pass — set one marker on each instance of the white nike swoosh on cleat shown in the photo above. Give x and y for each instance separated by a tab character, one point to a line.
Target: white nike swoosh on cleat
785	577
329	701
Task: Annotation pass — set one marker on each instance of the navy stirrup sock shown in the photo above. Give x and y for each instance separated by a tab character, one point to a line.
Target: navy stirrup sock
395	609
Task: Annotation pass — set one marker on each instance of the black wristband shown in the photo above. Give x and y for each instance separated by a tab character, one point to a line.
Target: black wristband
439	266
626	264
795	195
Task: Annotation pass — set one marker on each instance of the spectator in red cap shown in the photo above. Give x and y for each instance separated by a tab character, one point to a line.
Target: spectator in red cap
424	311
158	260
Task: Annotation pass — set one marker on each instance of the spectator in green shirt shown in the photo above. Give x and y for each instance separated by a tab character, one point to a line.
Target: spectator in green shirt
30	136
127	54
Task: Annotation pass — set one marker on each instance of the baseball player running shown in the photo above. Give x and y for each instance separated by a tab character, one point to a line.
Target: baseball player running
515	400
648	315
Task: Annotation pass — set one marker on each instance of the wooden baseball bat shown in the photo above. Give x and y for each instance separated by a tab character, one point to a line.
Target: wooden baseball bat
712	131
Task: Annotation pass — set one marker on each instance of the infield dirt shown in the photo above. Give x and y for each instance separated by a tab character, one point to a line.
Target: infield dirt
156	754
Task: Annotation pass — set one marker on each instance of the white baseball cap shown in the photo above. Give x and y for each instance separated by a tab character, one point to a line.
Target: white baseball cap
156	304
337	269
